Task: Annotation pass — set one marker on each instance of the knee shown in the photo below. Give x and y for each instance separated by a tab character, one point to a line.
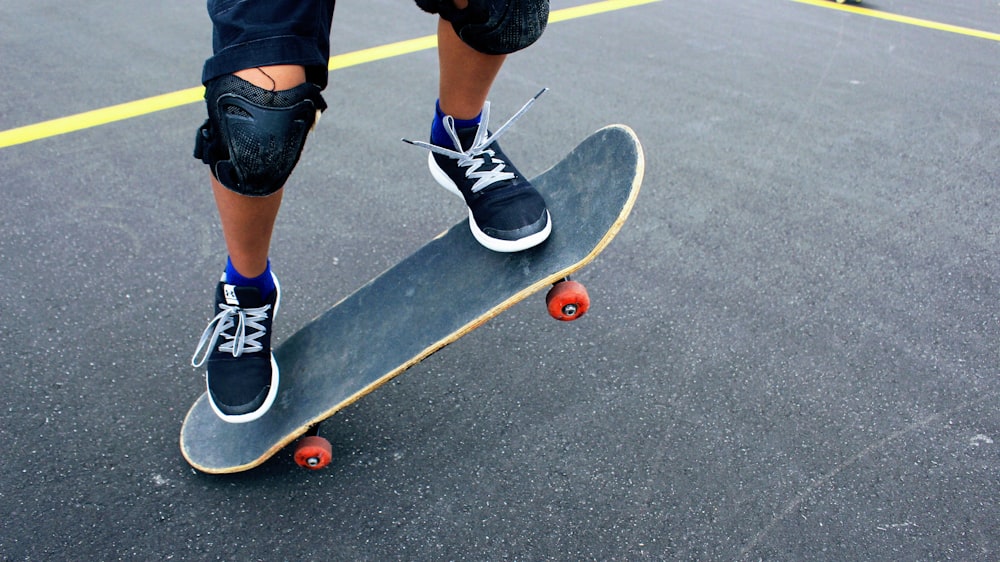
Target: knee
275	77
253	137
494	27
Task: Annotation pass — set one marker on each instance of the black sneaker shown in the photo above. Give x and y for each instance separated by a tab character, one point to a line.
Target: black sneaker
242	375
506	212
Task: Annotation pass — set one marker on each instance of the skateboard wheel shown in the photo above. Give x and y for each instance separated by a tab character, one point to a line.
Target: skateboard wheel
567	300
313	452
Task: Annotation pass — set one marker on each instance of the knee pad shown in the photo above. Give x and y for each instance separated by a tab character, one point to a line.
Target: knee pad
494	27
253	137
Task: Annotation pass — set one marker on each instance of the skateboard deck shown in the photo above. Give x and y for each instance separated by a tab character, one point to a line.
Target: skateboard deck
443	291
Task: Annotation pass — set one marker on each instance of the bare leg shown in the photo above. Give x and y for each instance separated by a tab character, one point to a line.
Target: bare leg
466	74
248	222
511	216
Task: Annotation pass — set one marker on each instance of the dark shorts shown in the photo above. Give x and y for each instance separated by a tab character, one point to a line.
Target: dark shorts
251	33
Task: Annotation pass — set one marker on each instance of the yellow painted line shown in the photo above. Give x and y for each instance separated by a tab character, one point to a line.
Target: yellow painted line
594	9
97	117
145	106
903	19
382	52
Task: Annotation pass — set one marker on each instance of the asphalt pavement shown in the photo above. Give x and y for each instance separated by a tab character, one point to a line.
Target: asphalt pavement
793	349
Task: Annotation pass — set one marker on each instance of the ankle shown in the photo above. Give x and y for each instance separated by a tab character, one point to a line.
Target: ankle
263	282
439	135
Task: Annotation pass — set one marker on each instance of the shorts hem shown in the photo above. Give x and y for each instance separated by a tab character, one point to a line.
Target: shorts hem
288	49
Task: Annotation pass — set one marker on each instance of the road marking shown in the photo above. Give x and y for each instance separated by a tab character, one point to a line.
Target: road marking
903	19
145	106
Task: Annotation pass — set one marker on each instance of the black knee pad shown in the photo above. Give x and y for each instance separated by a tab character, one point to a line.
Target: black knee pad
494	27
253	137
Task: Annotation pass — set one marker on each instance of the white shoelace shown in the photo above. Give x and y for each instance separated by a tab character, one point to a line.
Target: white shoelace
473	157
240	341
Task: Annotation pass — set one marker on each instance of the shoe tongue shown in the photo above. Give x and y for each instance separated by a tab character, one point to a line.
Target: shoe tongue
467	135
243	297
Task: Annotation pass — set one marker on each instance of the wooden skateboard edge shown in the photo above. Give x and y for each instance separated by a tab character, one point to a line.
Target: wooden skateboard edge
612	232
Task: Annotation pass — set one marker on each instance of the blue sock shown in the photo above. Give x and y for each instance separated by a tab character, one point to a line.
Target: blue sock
438	134
263	282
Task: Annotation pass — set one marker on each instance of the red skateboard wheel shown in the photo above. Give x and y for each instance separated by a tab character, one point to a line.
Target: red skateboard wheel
313	452
567	300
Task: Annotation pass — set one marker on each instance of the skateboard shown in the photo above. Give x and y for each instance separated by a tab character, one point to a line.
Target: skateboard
441	292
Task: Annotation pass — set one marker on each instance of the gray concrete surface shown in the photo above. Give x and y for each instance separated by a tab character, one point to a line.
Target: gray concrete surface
792	355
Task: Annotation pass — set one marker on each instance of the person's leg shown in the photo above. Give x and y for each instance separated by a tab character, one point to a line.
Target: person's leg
466	75
506	213
249	141
262	91
258	121
247	225
248	222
